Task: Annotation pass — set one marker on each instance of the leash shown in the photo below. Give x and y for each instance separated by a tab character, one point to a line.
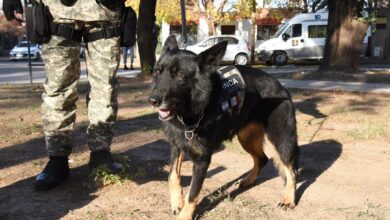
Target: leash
189	130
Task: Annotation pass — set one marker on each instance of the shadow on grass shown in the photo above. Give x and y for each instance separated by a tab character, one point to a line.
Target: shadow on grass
309	107
35	148
316	158
21	201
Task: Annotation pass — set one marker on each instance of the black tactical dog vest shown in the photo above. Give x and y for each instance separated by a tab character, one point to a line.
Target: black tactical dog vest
233	91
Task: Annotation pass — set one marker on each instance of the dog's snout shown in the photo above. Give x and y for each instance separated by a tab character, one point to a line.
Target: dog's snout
154	101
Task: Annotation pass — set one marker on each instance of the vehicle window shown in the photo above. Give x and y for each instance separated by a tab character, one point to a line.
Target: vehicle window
317	31
22	45
280	30
296	30
210	42
25	45
230	40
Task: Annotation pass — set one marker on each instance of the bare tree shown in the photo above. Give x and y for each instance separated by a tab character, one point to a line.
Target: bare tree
210	11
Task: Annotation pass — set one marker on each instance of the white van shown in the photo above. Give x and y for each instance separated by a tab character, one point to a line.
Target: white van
300	38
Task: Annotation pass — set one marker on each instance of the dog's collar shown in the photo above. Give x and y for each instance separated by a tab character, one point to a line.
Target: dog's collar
189	130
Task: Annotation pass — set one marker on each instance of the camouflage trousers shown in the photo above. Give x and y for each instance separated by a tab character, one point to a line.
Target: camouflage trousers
62	64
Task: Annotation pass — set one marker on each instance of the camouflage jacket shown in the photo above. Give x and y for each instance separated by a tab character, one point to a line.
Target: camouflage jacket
82	10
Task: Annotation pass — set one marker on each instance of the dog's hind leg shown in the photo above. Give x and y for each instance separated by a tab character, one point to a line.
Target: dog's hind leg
251	137
175	190
283	148
289	196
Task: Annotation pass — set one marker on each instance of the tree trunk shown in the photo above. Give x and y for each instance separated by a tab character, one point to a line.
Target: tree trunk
387	40
345	35
210	23
147	35
253	28
305	7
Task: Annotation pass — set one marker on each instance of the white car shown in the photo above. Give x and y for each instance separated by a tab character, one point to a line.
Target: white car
237	51
20	51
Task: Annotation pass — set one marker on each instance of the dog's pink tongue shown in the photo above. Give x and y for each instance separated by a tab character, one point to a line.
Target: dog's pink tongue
163	113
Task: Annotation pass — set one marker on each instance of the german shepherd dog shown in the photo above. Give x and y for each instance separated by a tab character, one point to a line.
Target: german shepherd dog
186	91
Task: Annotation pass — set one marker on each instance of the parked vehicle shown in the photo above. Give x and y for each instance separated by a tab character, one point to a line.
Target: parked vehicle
237	50
20	51
300	38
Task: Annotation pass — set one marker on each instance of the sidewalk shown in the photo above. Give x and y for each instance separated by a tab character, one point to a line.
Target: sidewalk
377	88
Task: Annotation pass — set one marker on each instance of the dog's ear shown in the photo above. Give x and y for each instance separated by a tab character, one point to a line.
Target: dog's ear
170	44
213	55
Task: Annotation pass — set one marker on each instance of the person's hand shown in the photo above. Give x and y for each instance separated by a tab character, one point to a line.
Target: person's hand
13	11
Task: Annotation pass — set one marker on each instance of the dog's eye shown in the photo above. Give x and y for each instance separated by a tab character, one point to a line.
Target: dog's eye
180	75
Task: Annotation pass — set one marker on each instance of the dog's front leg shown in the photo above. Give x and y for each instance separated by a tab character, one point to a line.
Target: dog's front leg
199	171
175	190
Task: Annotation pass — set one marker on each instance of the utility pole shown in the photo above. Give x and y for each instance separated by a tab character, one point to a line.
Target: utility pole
28	43
183	23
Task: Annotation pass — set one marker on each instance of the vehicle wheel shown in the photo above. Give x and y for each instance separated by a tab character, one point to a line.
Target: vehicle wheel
241	59
279	58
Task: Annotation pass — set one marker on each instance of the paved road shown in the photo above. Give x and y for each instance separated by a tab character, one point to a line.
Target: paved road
17	73
379	88
12	72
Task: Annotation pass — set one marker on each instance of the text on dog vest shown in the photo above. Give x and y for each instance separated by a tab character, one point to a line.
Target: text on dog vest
230	83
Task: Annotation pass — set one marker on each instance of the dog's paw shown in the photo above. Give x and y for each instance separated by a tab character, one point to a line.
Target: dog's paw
177	206
242	183
184	216
286	205
176	210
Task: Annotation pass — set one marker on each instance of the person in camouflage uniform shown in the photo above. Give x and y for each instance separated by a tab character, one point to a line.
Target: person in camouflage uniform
62	64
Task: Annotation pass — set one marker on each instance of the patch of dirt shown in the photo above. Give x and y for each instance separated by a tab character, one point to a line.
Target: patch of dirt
366	76
345	154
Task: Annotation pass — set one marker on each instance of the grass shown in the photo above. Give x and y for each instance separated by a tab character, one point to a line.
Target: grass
239	208
104	176
370	130
369	210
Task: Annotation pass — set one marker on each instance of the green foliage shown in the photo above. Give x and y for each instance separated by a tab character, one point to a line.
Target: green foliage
148	69
244	8
104	175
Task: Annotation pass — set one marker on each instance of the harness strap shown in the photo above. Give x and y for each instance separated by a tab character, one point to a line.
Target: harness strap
66	31
105	33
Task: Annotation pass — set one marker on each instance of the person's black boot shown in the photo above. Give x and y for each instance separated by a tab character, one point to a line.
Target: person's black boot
125	68
55	172
104	157
131	67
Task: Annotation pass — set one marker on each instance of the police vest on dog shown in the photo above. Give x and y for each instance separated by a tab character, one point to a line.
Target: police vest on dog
233	89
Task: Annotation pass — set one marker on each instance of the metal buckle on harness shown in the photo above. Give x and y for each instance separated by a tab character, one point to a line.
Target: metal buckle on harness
70	32
54	28
104	32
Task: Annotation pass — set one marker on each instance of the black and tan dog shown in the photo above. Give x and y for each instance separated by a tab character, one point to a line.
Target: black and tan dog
202	105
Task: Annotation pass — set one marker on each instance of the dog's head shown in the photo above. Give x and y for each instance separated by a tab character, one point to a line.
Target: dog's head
181	79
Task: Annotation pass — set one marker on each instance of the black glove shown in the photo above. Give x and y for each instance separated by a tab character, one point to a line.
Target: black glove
10	7
68	2
113	5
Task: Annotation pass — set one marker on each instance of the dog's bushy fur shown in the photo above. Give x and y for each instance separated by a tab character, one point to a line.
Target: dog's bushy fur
187	86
